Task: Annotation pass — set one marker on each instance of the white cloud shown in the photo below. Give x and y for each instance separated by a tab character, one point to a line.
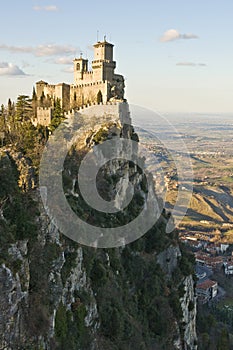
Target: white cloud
173	34
41	50
10	69
191	64
49	8
68	70
53	50
25	64
170	35
64	60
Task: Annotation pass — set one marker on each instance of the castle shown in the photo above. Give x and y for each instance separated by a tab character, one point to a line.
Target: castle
99	85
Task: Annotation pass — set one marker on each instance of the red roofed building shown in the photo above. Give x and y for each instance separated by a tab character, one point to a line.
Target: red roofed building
207	290
211	261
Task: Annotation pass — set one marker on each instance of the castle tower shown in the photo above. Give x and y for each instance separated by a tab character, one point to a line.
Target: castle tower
103	65
40	87
80	67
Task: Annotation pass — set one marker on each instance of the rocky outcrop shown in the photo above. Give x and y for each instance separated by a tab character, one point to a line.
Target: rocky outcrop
14	289
189	308
168	259
186	328
56	294
27	177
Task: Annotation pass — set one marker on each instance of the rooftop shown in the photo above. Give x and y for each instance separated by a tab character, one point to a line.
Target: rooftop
207	284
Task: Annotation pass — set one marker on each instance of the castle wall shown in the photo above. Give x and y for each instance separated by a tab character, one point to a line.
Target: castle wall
111	110
87	77
97	67
49	90
87	93
62	91
44	116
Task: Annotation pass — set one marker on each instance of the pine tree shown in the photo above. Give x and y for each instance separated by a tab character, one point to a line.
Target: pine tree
34	102
58	115
3	121
223	343
34	96
23	108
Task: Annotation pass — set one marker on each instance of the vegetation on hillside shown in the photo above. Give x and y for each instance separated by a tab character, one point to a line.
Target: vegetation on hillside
138	304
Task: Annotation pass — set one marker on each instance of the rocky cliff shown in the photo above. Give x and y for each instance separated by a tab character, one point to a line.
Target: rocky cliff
57	294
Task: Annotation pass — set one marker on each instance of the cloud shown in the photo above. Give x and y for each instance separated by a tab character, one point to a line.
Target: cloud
68	70
53	50
49	8
191	64
64	60
41	50
10	69
25	64
173	34
189	36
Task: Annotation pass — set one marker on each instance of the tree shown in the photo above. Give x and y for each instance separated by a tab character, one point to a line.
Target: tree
223	342
34	96
23	108
34	102
42	99
58	115
2	124
10	108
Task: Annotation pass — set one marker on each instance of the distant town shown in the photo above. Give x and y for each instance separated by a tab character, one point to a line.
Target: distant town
207	228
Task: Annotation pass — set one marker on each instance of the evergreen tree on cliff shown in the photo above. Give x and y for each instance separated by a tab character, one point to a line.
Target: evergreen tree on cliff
23	108
58	115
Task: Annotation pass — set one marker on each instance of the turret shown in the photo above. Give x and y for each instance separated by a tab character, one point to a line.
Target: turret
40	86
103	65
80	67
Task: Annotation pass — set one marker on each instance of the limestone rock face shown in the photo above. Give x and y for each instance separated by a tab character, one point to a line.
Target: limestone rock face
14	288
168	259
27	177
189	308
56	294
186	337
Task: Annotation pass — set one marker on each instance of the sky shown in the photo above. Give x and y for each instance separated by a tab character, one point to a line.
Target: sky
176	55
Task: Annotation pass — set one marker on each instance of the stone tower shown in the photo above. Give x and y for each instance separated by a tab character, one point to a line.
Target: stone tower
103	65
80	67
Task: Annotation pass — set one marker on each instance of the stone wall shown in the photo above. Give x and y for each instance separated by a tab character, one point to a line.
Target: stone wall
87	93
44	116
117	110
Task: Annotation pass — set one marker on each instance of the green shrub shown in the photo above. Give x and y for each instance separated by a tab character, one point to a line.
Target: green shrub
61	323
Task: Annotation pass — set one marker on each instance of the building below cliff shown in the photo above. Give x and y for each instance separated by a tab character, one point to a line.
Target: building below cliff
98	85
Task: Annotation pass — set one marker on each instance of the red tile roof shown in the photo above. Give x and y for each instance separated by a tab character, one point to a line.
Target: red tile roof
206	284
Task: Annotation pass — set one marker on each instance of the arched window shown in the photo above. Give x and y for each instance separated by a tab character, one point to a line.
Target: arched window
99	97
78	66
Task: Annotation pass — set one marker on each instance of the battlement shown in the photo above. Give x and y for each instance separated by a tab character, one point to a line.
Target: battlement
86	106
113	110
88	84
44	108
